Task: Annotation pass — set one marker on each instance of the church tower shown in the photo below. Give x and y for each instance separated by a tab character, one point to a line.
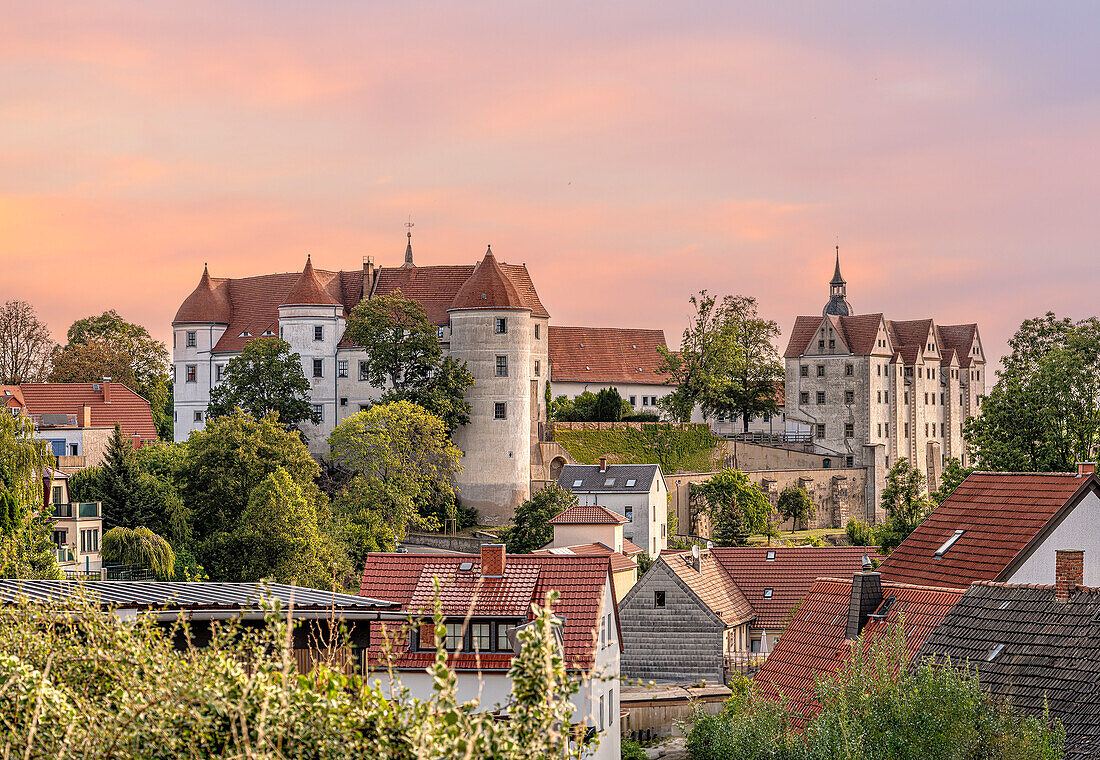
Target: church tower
838	294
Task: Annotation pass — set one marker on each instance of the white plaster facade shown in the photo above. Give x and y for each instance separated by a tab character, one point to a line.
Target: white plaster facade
1077	530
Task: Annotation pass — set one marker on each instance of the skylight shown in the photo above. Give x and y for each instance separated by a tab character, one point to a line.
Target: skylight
949	543
466	567
561	550
994	652
609	482
770	557
630	483
767	593
884	608
578	483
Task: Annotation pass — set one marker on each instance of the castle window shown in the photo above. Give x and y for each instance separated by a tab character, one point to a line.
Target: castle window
849	430
192	340
342	368
886	397
941	399
318	332
362	371
502	366
878	370
364	407
192	373
849	461
500	325
887	429
880	430
821	370
318	367
820	430
500	411
848	369
319	412
538	368
803	397
219	372
832	344
804	371
343	401
906	429
926	430
919	370
439	331
536	331
849	397
821	397
880	397
821	344
926	398
198	416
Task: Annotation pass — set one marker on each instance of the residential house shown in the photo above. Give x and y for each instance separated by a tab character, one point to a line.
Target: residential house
486	596
600	534
1036	645
637	492
696	614
77	527
819	638
1006	527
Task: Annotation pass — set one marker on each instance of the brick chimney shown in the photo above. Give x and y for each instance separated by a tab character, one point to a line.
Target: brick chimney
1069	572
1086	468
106	390
603	464
86	416
492	560
368	276
135	441
865	599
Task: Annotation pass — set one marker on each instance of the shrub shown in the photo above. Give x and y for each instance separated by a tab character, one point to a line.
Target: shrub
631	750
860	533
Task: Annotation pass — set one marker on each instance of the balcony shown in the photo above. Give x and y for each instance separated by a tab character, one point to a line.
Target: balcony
65	555
70	461
80	509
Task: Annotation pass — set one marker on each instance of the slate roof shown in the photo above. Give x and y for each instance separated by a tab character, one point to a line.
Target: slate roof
1050	654
813	644
1003	516
592	515
205	596
605	355
579	579
619	561
126	408
594	481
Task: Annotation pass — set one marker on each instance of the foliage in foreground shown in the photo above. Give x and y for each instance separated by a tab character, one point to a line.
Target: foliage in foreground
876	709
78	683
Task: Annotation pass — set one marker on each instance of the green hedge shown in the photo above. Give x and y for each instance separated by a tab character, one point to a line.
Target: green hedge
691	449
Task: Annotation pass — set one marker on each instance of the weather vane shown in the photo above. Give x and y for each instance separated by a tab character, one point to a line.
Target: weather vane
409	226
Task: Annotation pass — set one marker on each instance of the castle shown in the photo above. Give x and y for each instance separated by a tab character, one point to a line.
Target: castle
873	390
488	316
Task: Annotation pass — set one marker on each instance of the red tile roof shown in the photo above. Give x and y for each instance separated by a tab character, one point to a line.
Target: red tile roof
594	515
488	288
801	334
713	585
630	548
605	355
126	408
580	580
1000	513
595	549
11	396
209	302
813	644
308	290
961	338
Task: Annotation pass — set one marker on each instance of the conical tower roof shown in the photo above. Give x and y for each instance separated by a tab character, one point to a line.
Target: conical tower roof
488	287
209	302
308	290
837	279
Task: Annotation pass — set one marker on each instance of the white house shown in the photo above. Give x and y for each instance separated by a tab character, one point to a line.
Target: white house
637	492
486	596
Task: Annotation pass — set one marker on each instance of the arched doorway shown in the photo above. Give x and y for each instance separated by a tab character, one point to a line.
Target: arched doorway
556	465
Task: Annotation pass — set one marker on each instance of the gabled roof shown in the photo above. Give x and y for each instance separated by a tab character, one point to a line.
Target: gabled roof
1001	515
961	338
580	580
308	290
125	408
813	644
11	396
619	561
605	355
801	334
712	585
1049	653
488	288
593	515
858	332
594	481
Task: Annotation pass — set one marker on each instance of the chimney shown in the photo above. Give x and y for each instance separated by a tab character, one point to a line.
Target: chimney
603	464
106	390
135	441
492	560
86	416
696	559
1069	572
368	276
865	599
1086	468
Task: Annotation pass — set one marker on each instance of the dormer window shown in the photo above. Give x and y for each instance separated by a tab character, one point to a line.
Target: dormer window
949	543
631	483
245	334
267	334
500	325
578	483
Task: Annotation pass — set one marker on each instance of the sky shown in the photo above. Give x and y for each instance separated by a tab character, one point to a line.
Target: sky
630	153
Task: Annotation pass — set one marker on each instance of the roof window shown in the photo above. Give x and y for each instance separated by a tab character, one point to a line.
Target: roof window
770	556
578	483
989	657
884	608
630	483
767	593
245	334
609	482
466	567
949	542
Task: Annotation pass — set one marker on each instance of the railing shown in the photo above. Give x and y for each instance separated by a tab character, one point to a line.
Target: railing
762	436
83	575
65	555
127	573
83	509
743	663
62	511
70	460
88	508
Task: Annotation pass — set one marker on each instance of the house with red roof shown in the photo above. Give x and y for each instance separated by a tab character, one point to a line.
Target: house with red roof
834	614
485	598
78	419
1005	527
585	531
695	615
872	390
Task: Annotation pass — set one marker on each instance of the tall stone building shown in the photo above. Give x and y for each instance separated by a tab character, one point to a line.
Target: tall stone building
488	315
874	390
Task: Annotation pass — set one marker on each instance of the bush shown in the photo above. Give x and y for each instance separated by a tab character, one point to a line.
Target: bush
631	750
860	533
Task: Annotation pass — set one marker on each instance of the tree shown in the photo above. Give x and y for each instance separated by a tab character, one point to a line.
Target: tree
401	462
531	528
232	455
706	352
403	355
906	502
953	475
747	386
26	347
604	406
139	546
1043	413
796	505
266	378
109	346
737	507
25	547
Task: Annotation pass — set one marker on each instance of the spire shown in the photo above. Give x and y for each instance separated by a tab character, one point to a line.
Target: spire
409	245
838	293
308	290
208	302
837	279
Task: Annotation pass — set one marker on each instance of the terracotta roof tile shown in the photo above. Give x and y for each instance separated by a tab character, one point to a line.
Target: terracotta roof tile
593	515
961	338
860	332
209	302
308	290
488	288
713	585
999	512
596	549
605	354
126	408
801	335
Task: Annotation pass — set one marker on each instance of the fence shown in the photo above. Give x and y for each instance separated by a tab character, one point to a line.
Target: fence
624	425
743	663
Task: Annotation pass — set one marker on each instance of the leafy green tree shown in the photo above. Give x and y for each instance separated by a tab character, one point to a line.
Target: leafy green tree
1043	413
232	455
25	547
906	502
402	462
109	346
266	378
707	351
139	546
531	528
404	356
736	506
796	505
604	406
747	386
953	475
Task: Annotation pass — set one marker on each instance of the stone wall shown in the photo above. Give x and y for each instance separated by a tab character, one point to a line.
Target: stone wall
681	642
744	456
461	544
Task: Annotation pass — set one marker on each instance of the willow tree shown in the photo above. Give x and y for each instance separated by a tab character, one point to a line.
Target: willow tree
25	548
139	546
